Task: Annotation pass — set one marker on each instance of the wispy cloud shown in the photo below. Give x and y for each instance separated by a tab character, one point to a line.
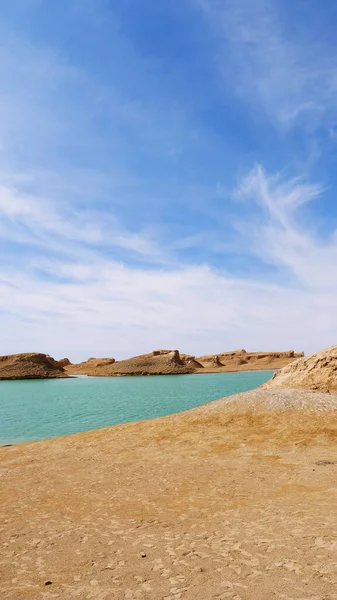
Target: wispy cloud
119	232
128	308
287	70
282	237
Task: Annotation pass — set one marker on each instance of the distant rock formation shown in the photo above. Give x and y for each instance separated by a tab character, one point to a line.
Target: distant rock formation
165	362
241	360
211	361
317	372
158	362
89	365
191	361
64	362
30	366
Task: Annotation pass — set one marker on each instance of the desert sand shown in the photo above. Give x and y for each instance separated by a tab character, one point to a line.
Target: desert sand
236	499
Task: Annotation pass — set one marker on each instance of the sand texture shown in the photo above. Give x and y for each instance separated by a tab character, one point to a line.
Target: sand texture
234	500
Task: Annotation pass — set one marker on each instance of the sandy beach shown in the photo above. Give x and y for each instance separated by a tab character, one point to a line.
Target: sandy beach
236	500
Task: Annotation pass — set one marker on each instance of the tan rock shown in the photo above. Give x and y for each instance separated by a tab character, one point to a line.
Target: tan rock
316	372
89	365
30	366
64	362
158	362
241	360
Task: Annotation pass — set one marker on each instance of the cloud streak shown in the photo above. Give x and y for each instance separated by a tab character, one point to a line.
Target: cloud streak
119	229
291	73
197	307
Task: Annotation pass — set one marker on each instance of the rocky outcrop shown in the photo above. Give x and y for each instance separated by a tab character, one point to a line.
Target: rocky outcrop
191	361
165	362
89	365
64	362
241	360
158	362
317	372
212	361
30	366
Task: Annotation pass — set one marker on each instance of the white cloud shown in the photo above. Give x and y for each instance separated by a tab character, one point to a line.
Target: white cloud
83	303
290	72
280	239
77	279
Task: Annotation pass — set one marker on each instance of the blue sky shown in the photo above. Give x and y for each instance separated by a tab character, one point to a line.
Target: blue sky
167	176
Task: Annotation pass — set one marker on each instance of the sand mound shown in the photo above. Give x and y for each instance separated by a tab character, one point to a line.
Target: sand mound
30	366
317	372
158	362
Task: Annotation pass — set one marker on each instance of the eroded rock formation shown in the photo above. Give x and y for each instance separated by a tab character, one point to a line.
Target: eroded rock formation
158	362
32	365
317	372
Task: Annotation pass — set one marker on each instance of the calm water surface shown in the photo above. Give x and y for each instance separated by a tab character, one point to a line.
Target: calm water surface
35	410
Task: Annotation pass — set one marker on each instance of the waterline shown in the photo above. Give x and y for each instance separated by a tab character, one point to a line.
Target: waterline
40	409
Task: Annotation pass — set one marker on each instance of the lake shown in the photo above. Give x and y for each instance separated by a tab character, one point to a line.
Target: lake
40	409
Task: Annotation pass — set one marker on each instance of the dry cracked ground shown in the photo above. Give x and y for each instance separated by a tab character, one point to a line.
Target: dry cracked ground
233	500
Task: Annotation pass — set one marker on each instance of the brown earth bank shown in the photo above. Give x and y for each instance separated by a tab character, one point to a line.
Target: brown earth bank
30	366
158	362
232	500
317	372
240	360
166	362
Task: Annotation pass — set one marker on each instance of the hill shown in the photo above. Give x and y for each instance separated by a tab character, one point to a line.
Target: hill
317	372
240	360
158	362
30	366
166	362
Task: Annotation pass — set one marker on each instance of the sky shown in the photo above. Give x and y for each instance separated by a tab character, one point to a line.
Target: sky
167	176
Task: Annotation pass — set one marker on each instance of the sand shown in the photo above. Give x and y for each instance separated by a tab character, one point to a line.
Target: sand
233	500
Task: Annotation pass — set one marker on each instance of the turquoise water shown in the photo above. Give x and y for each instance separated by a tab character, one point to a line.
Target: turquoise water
35	410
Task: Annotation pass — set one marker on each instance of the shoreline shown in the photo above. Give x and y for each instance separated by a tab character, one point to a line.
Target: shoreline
234	495
208	394
197	372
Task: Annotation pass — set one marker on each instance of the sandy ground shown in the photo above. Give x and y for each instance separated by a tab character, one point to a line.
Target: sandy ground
233	500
